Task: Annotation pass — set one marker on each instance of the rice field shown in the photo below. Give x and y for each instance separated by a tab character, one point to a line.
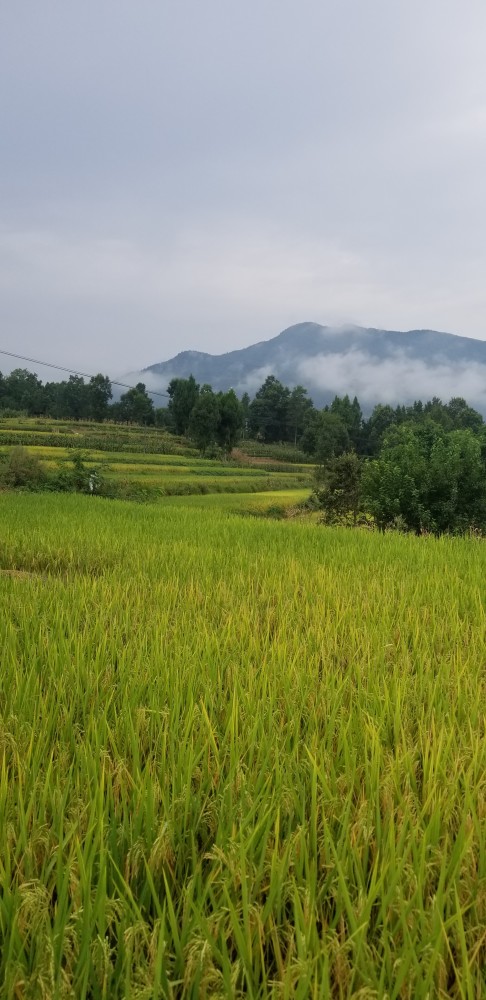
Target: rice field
238	757
43	431
146	463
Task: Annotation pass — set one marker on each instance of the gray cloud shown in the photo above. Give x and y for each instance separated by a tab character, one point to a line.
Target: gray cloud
180	176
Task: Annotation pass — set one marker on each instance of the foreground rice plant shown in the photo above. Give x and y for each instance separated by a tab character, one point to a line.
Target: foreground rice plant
238	757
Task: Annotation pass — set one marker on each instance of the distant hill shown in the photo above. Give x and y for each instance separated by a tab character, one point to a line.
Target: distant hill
376	365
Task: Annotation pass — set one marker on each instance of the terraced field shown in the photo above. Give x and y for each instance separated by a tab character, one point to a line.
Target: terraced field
147	462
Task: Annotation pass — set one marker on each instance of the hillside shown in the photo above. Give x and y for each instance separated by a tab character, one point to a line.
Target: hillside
376	365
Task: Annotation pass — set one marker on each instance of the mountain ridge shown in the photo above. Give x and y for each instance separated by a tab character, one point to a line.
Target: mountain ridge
376	365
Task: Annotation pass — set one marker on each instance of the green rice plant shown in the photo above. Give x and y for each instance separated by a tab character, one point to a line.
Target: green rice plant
86	435
238	757
280	452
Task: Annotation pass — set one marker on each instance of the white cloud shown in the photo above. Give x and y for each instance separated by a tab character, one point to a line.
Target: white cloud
398	378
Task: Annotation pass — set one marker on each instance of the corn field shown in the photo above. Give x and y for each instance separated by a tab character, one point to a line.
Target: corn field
238	757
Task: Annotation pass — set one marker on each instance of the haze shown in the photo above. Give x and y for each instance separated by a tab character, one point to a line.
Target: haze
202	175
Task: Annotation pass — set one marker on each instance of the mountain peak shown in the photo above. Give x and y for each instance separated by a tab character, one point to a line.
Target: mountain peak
376	365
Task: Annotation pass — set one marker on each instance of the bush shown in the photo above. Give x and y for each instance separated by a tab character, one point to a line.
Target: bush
9	413
348	519
23	470
79	479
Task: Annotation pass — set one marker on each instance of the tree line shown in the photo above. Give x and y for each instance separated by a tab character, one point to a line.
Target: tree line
275	414
23	392
421	467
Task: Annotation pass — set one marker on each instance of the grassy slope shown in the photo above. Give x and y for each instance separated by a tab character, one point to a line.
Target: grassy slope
149	460
238	757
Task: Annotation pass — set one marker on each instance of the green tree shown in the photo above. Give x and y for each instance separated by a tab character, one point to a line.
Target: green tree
205	416
163	418
430	478
308	441
299	407
22	390
456	488
339	492
395	484
384	488
230	421
183	393
463	417
332	438
245	414
374	429
136	407
268	415
434	409
351	416
99	395
75	398
54	399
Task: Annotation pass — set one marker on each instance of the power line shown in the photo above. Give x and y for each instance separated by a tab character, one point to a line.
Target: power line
70	371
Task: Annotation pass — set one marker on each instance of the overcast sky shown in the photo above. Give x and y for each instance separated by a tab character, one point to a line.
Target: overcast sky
178	174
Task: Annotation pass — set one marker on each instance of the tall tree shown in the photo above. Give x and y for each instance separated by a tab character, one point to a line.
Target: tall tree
299	407
382	418
308	441
99	395
136	407
22	390
183	393
351	416
245	414
268	415
54	404
332	437
75	398
230	420
205	415
463	417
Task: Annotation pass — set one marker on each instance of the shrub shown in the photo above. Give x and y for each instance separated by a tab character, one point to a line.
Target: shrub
9	412
79	479
23	470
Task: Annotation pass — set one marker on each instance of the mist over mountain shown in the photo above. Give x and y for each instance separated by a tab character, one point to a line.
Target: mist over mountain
378	366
